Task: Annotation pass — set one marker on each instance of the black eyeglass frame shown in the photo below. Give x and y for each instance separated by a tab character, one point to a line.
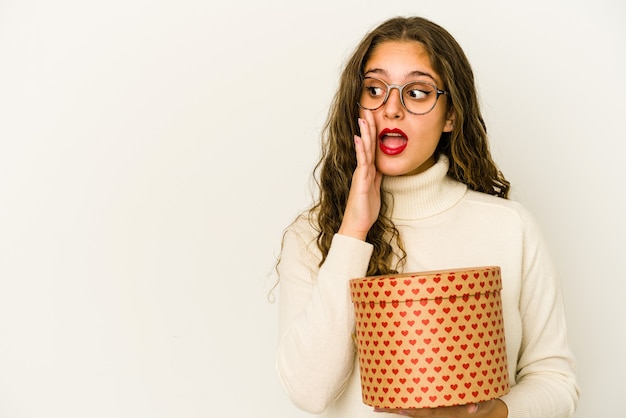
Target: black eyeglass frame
400	90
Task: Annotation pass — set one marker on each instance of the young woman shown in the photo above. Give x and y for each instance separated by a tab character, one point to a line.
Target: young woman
407	184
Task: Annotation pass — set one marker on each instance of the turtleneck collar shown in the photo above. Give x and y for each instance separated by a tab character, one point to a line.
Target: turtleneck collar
425	194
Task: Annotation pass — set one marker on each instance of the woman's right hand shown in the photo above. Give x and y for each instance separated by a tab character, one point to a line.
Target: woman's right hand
363	203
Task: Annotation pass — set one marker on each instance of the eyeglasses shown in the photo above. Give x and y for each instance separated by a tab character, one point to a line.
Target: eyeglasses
417	97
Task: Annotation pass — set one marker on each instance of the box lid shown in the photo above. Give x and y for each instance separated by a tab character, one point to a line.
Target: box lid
428	285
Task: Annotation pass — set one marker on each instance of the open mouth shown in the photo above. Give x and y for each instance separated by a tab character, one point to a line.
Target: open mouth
392	141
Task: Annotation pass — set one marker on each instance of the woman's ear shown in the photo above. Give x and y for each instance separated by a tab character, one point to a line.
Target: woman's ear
449	125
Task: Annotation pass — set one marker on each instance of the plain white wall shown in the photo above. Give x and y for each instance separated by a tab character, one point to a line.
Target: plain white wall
151	152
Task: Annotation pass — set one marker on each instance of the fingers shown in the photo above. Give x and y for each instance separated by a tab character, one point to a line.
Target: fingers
472	408
359	147
440	412
367	127
369	118
363	144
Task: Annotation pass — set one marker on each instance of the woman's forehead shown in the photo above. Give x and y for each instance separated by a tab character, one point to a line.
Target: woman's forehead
401	60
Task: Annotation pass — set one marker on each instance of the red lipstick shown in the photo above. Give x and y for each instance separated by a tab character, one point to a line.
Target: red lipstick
392	141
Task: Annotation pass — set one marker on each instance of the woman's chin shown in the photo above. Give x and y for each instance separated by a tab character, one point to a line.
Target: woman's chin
396	168
392	170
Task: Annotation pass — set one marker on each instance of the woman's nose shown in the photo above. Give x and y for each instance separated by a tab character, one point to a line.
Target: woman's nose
393	108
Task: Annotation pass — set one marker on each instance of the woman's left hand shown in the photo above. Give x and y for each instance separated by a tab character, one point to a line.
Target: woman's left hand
489	409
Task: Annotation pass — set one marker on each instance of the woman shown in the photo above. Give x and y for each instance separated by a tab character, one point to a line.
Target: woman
407	184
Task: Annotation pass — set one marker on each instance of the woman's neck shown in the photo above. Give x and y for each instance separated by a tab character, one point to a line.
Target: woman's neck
425	194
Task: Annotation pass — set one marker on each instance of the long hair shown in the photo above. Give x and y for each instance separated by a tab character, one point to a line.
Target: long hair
466	146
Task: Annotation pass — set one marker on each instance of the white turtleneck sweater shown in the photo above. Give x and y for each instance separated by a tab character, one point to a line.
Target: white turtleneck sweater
442	225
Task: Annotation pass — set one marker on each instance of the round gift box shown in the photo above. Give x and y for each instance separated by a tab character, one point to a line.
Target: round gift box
430	339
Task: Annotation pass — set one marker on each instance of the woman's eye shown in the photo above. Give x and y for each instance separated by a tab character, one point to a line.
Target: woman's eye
376	91
417	94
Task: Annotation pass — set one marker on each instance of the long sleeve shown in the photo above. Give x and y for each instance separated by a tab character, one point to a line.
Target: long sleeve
316	352
545	375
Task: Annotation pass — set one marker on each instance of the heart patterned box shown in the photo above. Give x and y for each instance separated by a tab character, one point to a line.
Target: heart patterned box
430	339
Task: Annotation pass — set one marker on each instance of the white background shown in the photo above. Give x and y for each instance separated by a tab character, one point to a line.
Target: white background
151	153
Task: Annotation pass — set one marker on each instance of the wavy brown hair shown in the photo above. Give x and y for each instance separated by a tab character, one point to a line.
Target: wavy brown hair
466	146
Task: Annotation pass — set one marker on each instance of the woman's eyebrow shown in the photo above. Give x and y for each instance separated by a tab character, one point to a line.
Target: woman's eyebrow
377	71
421	73
415	73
